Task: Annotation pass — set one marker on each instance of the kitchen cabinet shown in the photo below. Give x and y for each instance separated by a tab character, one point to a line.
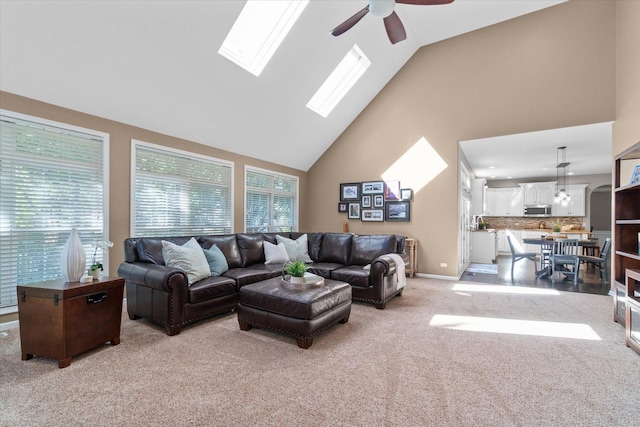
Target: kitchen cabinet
531	234
503	201
576	205
503	244
478	187
483	246
538	193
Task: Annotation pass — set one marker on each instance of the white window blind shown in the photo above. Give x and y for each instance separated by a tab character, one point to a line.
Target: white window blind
177	193
52	180
271	203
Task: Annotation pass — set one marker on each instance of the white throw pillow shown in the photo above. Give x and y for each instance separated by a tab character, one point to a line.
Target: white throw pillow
296	249
275	254
188	257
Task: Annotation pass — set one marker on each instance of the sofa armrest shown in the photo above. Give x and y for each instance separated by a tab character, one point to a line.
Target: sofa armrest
154	276
384	265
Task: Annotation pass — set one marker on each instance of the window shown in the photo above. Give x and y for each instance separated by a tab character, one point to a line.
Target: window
271	201
343	77
258	32
177	193
52	179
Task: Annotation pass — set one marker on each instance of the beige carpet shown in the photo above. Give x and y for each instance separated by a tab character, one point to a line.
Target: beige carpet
413	364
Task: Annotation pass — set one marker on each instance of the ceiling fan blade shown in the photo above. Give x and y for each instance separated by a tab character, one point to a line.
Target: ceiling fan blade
395	29
346	25
425	2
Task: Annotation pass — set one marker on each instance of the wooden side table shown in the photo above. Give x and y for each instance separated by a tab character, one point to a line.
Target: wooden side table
61	319
412	247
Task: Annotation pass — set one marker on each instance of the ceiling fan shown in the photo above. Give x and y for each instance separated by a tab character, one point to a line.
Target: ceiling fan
384	9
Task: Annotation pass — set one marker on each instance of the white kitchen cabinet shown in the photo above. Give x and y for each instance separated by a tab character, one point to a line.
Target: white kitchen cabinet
483	247
503	244
531	234
503	201
538	193
576	205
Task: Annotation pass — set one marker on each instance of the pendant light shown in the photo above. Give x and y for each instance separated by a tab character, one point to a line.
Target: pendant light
561	196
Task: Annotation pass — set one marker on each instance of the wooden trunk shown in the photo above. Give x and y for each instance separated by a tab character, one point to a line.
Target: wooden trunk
63	319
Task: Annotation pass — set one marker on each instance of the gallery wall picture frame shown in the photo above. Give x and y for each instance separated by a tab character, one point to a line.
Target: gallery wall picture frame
397	211
373	187
392	190
373	215
366	201
350	192
342	207
378	201
354	211
406	194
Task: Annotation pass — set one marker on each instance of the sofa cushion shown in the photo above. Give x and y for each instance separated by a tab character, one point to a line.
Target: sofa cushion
336	248
227	244
364	249
355	275
296	249
324	269
251	249
253	274
209	288
216	260
188	257
150	249
275	254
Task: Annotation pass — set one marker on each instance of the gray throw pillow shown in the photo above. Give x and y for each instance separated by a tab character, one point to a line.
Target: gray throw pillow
296	249
275	254
216	259
188	257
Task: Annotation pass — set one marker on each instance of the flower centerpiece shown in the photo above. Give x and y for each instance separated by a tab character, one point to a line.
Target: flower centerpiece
97	267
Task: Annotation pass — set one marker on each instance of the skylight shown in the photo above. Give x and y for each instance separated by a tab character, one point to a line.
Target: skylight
258	32
345	75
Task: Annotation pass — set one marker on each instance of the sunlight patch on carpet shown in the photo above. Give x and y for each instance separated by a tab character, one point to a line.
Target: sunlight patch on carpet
503	289
517	327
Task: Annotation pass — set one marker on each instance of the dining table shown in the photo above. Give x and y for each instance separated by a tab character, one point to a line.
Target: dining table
545	244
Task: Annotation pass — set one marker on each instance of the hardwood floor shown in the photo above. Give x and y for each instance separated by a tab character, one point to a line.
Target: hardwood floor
524	275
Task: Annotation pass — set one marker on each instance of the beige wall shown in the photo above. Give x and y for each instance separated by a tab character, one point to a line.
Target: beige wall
550	69
119	173
626	129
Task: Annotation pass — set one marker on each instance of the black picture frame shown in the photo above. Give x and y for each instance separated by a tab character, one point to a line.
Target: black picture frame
373	187
354	211
366	201
397	211
378	201
342	207
392	190
372	215
406	194
350	192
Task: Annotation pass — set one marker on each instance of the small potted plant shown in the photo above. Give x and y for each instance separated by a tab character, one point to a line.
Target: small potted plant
556	227
296	269
97	267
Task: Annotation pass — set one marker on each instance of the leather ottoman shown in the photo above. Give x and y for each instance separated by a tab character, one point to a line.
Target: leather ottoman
300	313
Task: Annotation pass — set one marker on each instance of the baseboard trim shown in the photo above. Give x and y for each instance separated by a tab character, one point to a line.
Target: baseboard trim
9	325
436	276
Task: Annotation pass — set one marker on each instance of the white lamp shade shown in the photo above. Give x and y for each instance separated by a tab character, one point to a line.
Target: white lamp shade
381	8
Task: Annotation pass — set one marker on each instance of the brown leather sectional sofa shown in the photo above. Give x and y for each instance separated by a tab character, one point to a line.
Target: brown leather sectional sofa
162	294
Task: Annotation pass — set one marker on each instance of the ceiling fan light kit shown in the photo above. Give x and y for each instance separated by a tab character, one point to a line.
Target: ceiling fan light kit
385	9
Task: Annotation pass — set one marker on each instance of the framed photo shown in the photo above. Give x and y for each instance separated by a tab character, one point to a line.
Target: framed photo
366	201
397	211
373	215
406	194
635	177
392	190
354	210
342	207
378	201
350	192
373	187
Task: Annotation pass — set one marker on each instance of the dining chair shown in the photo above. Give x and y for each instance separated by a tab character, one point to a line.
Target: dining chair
517	256
563	254
600	261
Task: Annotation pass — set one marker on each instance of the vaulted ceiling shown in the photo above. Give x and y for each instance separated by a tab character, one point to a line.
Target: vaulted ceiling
154	64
